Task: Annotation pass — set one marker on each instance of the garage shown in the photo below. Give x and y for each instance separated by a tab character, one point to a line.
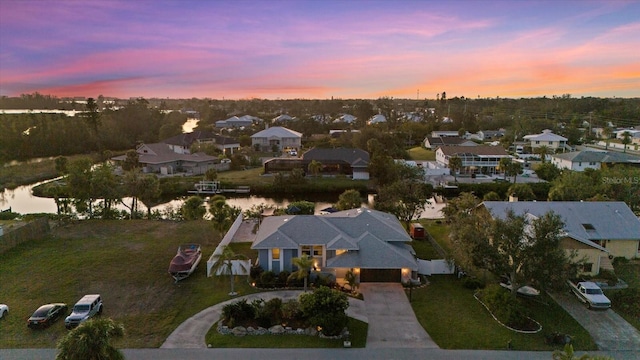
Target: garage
380	275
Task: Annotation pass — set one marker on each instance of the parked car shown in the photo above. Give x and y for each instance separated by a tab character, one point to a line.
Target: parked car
87	307
590	294
46	315
500	180
4	310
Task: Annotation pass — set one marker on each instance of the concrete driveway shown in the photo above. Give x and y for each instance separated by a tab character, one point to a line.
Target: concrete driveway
392	322
608	329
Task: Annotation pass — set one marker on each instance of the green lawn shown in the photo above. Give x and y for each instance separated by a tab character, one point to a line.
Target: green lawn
424	250
358	330
124	261
420	153
456	320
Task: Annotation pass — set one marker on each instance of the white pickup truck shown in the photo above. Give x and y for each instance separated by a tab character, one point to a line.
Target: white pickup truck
590	294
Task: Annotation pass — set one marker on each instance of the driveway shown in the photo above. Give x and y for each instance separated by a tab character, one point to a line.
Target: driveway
608	329
392	323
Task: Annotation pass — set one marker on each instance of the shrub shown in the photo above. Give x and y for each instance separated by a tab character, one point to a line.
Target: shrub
473	283
504	306
620	260
291	310
325	308
267	279
255	272
282	279
237	311
610	276
628	301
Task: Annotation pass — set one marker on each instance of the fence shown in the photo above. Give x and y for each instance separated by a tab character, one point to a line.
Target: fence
239	267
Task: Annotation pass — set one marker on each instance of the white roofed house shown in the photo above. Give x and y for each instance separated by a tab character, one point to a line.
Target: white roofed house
237	122
595	230
547	138
475	159
379	118
276	137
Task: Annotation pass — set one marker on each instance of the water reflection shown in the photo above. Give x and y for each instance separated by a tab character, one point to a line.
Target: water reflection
21	200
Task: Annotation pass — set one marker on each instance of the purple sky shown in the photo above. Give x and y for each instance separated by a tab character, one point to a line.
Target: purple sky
319	49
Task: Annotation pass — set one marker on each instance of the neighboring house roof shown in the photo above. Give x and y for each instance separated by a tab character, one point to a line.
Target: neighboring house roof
598	156
160	153
591	220
283	117
277	131
187	139
355	157
546	135
235	121
379	118
374	239
449	141
481	150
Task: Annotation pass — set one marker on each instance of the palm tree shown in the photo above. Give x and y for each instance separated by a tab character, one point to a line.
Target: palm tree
455	164
304	264
224	265
568	354
91	341
542	151
626	140
315	167
606	133
504	165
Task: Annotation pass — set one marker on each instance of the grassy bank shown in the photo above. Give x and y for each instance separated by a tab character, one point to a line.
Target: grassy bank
124	261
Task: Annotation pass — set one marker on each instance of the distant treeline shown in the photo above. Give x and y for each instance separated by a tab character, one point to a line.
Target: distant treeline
122	124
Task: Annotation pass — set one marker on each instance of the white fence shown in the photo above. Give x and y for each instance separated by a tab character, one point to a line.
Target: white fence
437	267
239	267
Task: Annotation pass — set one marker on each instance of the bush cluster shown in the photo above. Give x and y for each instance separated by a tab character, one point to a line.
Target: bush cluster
324	308
504	306
628	301
270	280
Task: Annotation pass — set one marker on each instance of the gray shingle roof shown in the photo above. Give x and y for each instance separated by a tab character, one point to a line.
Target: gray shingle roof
598	156
374	239
610	220
355	157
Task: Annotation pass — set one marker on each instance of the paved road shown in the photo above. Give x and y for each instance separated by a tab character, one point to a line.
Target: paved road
392	322
314	354
608	329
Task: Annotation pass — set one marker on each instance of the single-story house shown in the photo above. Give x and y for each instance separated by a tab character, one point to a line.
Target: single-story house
237	122
547	138
182	143
353	163
276	137
475	159
372	243
159	158
443	133
284	118
376	119
592	159
595	229
433	143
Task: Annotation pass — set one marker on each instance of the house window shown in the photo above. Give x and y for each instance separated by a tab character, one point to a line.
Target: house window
580	164
342	251
550	142
537	142
305	250
275	254
587	267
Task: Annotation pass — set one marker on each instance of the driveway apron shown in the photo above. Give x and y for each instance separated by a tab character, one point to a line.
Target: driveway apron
392	322
608	329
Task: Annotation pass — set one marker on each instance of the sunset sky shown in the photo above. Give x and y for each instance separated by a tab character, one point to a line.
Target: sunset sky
318	49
